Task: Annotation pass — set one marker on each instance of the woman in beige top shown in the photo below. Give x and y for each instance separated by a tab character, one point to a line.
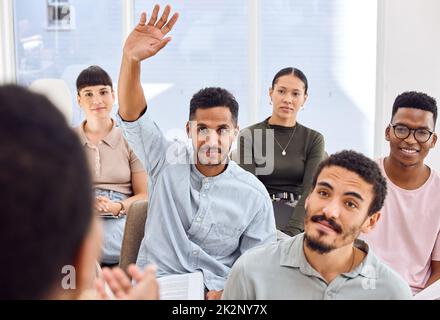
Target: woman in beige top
118	175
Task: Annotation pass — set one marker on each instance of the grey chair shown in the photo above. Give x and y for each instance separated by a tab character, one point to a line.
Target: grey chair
133	233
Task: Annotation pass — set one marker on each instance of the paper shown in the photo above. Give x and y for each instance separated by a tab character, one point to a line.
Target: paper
188	286
430	293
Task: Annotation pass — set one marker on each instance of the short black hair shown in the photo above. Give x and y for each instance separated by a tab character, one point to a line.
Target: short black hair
46	195
214	97
416	100
93	76
294	72
363	166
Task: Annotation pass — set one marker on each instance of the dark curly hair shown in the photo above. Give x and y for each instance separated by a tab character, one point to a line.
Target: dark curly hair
416	100
363	166
46	195
214	97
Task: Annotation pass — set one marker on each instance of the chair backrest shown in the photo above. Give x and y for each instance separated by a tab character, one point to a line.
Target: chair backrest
57	91
133	233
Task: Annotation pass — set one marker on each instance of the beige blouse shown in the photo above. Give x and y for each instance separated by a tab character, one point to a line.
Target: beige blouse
112	161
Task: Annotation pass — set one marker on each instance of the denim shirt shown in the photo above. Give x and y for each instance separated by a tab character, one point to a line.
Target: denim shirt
196	223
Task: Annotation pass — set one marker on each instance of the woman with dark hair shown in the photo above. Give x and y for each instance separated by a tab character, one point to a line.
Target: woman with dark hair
282	153
119	177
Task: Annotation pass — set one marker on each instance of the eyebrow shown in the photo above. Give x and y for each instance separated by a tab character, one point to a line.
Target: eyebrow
325	184
351	193
89	90
202	125
403	124
354	194
282	87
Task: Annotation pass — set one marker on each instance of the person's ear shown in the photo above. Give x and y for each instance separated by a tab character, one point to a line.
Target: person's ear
306	96
78	99
371	222
236	131
388	133
306	203
188	129
87	256
113	95
434	140
270	94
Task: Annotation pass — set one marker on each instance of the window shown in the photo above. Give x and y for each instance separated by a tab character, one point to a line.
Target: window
209	48
334	44
60	15
235	44
65	48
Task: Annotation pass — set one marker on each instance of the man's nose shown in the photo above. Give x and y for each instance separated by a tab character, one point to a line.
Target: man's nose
212	136
332	209
411	139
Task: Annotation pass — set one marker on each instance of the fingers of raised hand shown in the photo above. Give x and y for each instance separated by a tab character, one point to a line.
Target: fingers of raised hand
161	44
163	20
169	26
163	24
154	15
143	19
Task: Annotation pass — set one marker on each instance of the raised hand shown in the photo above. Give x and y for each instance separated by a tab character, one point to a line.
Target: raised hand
146	40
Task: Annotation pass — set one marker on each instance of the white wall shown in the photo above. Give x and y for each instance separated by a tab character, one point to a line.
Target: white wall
408	59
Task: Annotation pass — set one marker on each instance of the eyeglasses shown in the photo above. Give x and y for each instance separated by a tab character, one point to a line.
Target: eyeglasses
402	132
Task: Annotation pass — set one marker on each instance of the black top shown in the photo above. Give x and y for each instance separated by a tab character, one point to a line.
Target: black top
293	172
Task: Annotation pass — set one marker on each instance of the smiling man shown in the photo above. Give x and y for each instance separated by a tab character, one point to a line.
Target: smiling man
326	262
204	210
408	237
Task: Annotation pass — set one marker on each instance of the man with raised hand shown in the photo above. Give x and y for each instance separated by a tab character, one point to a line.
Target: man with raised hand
204	210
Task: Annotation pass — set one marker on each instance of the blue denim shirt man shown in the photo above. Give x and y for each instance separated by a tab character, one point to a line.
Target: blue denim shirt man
204	210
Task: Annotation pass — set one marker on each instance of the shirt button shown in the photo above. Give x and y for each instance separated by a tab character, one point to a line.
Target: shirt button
195	252
203	195
199	219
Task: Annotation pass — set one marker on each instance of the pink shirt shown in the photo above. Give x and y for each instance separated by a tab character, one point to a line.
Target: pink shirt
407	236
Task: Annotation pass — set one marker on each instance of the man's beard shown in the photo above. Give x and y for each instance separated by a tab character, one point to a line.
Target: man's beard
315	244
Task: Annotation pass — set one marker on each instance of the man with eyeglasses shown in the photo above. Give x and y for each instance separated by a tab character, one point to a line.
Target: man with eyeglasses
408	237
